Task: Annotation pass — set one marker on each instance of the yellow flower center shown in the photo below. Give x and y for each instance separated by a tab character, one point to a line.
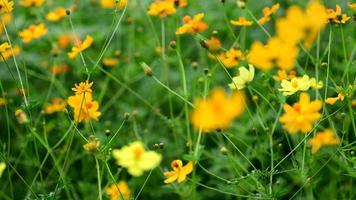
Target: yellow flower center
137	152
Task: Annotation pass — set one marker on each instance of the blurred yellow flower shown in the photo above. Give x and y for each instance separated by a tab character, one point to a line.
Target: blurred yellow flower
213	44
9	53
275	53
6	6
65	39
282	75
324	138
179	3
110	62
2	168
267	12
33	32
56	15
299	84
4	47
56	105
299	25
5	19
109	4
192	26
136	159
352	5
218	110
59	69
302	115
231	58
245	76
120	191
179	172
21	116
337	16
80	46
92	145
83	87
242	21
332	100
161	8
31	3
3	101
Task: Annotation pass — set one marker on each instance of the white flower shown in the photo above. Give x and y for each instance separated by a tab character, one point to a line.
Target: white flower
245	76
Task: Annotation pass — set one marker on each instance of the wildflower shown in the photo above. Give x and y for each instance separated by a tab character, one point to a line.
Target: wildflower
31	3
231	58
242	21
56	15
3	101
33	32
83	87
218	110
267	12
352	5
245	76
2	168
136	159
56	105
119	191
299	84
161	8
213	44
59	69
109	4
109	62
21	116
299	25
92	145
84	107
6	6
337	16
65	39
179	172
332	100
80	47
5	19
4	47
323	138
282	75
274	53
192	26
302	115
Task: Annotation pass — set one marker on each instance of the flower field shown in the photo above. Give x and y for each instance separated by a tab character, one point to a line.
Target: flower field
177	99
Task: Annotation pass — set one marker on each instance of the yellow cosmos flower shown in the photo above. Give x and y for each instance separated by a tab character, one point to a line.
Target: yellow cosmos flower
161	8
56	105
56	15
84	107
282	75
92	145
80	47
83	87
218	110
245	76
4	47
302	115
9	53
324	138
6	6
267	12
136	159
2	168
110	62
33	32
31	3
242	21
231	58
213	44
119	191
332	100
275	53
352	5
337	16
5	19
109	4
192	25
179	172
299	84
299	25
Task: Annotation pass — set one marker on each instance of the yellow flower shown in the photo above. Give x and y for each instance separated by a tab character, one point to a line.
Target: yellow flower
84	107
2	168
59	69
302	115
323	138
274	53
337	16
213	44
282	75
57	105
109	4
332	100
3	101
9	53
267	12
80	47
352	5
31	3
83	87
33	32
161	8
110	62
6	6
192	26
120	191
242	21
299	84
301	25
245	76
57	14
179	172
92	145
231	58
65	39
136	159
218	110
5	19
4	47
21	116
